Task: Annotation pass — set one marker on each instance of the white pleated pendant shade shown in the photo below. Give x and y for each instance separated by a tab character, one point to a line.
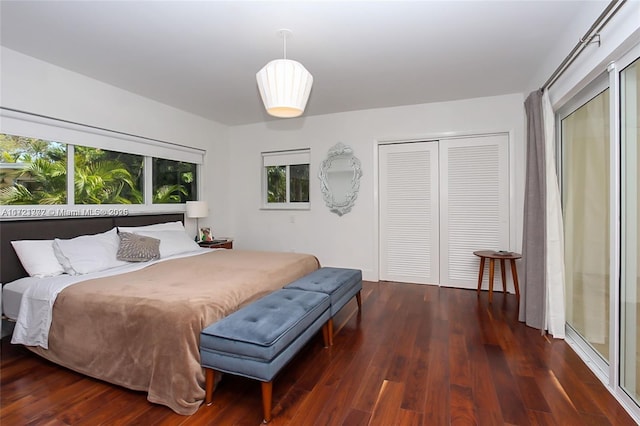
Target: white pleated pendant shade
284	87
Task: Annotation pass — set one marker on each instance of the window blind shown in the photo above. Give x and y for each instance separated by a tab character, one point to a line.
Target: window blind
50	129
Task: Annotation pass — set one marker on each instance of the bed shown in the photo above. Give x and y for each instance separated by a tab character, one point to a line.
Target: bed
138	325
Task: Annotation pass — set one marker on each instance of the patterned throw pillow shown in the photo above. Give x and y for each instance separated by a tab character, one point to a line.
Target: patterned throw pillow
137	248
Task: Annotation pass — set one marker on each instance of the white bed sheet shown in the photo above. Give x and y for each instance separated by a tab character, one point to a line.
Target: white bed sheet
35	298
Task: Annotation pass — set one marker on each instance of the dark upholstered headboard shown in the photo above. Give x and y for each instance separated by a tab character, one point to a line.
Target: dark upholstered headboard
48	229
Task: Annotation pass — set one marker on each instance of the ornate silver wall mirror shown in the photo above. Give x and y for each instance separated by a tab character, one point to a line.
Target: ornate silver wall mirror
339	178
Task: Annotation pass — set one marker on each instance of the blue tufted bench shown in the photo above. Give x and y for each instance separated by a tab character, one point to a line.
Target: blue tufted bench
341	284
259	339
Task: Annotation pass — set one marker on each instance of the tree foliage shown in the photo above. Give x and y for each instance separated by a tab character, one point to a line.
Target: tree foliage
276	184
173	181
34	171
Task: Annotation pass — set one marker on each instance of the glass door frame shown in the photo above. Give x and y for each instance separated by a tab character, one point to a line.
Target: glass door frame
592	358
608	373
616	70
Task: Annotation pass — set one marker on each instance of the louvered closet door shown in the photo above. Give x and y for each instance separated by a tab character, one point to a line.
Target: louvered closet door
474	205
440	202
408	196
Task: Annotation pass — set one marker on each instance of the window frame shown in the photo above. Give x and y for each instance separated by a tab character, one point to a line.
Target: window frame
599	364
286	158
75	134
152	186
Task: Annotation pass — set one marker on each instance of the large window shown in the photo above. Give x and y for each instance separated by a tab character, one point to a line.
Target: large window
32	171
107	177
286	179
35	172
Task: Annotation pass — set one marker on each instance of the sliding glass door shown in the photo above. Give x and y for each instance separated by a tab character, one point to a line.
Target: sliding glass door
585	195
630	231
598	132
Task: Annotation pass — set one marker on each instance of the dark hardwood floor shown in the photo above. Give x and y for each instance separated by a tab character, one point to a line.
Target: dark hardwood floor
417	355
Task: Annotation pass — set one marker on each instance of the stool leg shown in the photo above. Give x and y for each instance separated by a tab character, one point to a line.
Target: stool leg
480	274
504	276
267	394
359	300
208	385
514	274
492	265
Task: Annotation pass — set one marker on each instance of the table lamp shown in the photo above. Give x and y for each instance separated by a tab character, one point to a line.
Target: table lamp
197	209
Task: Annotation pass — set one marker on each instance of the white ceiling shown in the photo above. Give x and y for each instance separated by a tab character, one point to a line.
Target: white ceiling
202	56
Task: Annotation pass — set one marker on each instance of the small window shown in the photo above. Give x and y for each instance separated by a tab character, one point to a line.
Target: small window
174	181
286	179
32	171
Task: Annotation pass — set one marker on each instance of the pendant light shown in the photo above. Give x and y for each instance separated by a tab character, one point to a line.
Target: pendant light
284	85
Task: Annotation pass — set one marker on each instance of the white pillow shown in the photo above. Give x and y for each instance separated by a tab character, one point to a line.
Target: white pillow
37	258
172	242
89	253
167	226
62	260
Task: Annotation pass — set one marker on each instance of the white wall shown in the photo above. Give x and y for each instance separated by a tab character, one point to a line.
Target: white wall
34	86
575	28
351	240
232	170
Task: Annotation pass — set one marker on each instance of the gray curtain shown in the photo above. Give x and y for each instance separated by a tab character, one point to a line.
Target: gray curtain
532	303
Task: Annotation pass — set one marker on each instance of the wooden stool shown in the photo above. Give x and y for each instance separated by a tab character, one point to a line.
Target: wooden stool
492	256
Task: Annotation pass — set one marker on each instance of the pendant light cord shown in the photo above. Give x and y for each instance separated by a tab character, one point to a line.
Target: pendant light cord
284	44
284	33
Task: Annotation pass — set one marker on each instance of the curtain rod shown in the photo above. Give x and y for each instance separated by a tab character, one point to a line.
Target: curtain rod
611	9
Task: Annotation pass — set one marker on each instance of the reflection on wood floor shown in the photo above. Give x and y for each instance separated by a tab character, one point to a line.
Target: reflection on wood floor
588	313
416	355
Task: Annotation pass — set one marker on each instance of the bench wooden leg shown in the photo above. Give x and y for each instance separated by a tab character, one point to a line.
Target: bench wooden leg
267	394
359	300
327	333
208	385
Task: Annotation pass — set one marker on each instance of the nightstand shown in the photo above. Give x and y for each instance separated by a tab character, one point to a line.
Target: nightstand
226	243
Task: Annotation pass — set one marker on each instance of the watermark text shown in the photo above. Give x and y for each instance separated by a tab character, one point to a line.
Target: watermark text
62	211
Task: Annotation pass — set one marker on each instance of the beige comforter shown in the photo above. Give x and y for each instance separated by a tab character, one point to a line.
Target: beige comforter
142	329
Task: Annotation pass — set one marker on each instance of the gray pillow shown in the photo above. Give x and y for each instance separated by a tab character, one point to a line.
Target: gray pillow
137	248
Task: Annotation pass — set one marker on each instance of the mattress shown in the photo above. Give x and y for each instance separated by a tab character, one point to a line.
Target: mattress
12	295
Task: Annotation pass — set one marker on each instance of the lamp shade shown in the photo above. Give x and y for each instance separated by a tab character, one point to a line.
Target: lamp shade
197	209
284	86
